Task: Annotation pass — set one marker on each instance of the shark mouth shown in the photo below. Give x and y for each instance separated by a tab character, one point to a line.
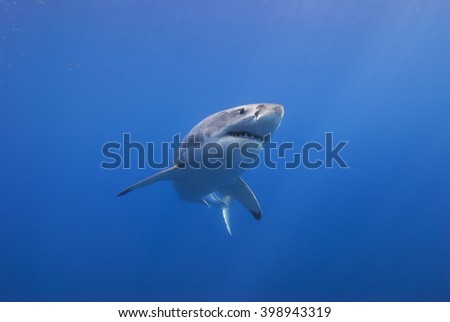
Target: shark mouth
246	135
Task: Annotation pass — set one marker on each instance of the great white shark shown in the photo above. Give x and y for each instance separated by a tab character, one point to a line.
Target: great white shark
229	130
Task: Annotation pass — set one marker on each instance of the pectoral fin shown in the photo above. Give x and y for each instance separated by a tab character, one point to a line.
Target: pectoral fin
167	174
239	190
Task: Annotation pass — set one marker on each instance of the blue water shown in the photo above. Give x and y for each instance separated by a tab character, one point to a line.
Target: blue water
77	74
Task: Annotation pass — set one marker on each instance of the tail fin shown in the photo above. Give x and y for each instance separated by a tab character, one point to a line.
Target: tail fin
226	212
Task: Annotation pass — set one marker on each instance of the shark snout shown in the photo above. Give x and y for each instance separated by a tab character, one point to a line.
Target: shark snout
267	118
269	108
278	109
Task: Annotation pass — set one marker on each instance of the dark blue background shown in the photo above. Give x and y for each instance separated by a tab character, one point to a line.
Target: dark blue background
74	75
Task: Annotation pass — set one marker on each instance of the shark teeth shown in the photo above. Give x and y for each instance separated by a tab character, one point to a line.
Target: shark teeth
246	135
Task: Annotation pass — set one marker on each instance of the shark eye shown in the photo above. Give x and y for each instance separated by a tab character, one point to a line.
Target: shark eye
242	111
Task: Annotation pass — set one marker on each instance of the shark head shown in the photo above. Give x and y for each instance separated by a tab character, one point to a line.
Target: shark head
241	124
252	122
246	122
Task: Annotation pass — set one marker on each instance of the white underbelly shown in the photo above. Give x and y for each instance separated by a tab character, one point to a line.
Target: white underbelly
196	183
203	176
